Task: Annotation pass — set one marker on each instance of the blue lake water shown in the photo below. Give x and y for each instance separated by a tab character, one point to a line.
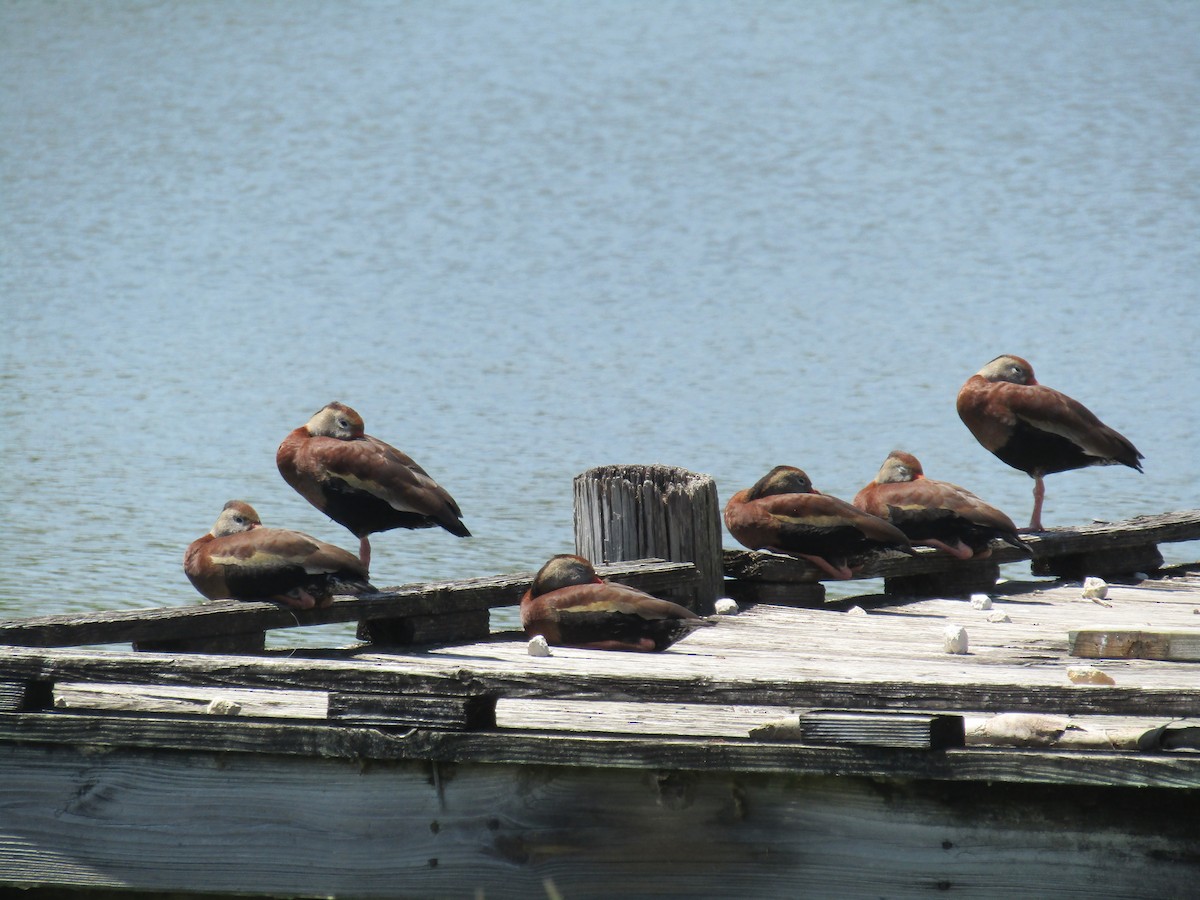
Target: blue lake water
526	239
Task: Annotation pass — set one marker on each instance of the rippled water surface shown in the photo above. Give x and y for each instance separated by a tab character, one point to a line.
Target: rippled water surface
526	239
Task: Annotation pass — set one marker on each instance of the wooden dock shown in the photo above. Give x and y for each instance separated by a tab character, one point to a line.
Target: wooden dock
789	751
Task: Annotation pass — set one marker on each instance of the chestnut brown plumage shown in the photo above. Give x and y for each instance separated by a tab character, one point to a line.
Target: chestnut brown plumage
571	606
360	482
934	513
785	513
239	559
1035	428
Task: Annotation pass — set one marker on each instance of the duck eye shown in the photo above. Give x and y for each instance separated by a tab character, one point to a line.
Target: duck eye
342	423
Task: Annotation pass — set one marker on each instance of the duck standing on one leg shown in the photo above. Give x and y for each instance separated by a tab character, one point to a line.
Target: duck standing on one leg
571	606
239	559
1035	428
785	513
934	513
360	482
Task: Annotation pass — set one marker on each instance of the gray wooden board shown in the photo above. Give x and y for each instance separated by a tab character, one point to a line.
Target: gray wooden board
876	729
114	731
1136	643
191	700
288	826
600	716
888	658
1182	525
831	683
226	617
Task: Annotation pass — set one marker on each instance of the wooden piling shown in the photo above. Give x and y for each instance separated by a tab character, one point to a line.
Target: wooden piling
626	512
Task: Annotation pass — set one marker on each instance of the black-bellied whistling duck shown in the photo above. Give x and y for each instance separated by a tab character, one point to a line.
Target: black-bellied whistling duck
936	514
239	559
360	482
785	513
1035	428
571	606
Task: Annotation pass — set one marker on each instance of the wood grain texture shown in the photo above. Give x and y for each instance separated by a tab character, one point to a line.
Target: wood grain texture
689	681
414	711
1102	643
918	732
889	658
219	619
1101	537
177	701
528	747
634	512
310	827
682	707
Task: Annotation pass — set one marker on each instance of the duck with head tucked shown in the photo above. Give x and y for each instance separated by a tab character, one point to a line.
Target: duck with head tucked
934	513
571	606
239	559
1035	428
360	482
784	513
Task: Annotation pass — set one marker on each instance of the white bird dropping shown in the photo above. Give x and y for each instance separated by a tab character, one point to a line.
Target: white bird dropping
539	647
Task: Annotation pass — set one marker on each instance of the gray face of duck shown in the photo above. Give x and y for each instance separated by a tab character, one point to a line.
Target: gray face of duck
336	420
1008	368
236	517
782	480
899	467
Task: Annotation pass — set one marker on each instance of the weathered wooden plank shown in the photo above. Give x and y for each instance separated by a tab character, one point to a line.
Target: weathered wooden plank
875	729
250	642
259	738
613	717
176	701
1065	732
413	711
290	673
218	619
1104	563
17	695
1101	537
1142	643
692	681
966	578
12	695
460	627
292	827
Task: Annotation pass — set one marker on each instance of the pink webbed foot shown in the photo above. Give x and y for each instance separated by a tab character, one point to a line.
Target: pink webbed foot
840	572
958	549
298	598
